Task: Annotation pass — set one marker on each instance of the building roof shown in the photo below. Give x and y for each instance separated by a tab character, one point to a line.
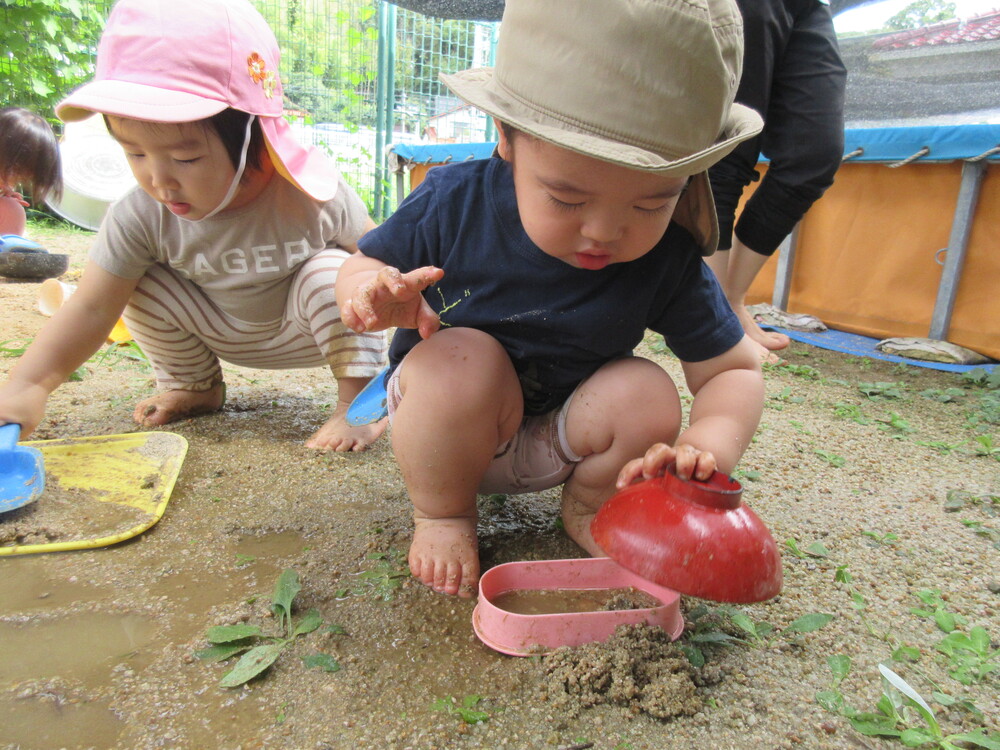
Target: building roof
977	29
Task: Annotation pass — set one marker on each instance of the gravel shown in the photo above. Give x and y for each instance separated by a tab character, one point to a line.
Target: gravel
98	645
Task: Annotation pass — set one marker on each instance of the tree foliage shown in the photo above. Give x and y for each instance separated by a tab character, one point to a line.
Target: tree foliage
921	13
48	49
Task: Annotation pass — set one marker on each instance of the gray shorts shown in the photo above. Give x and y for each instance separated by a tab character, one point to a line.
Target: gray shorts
536	458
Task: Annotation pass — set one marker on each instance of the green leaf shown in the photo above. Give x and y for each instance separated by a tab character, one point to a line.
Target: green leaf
309	622
229	633
713	636
335	629
816	549
323	661
744	623
979	639
831	700
978	738
945	620
840	665
285	590
915	737
809	623
694	655
906	653
875	725
251	664
221	651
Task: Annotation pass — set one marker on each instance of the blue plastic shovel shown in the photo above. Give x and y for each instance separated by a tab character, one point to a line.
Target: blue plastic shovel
371	404
22	470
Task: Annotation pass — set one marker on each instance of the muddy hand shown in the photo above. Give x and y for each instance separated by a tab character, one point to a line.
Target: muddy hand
690	463
393	299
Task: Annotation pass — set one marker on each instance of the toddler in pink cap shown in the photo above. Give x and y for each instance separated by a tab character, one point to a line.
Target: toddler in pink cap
229	247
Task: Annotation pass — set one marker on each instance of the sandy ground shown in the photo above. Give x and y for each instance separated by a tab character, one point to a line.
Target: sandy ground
97	646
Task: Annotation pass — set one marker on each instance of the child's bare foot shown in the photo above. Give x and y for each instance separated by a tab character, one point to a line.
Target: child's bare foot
445	554
770	340
337	435
171	406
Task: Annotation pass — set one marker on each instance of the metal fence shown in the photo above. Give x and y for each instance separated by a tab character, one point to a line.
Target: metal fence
358	74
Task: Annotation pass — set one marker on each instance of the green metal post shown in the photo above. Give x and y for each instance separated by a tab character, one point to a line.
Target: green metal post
390	103
380	103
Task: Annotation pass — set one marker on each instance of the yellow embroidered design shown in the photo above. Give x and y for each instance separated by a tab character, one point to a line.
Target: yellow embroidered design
260	74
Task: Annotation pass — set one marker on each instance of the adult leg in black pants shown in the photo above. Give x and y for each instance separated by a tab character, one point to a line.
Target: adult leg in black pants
793	76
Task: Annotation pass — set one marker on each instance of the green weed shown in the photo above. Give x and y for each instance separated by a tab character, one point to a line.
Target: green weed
726	625
900	713
896	424
831	458
466	710
383	579
944	396
983	446
887	538
816	549
259	651
850	411
802	371
882	390
956	500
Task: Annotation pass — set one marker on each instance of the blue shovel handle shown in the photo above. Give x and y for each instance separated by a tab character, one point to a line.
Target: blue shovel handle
371	404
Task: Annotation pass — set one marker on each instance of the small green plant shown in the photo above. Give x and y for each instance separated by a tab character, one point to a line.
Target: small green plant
751	475
887	538
466	710
446	307
816	549
802	371
243	560
971	657
942	446
785	396
13	348
850	411
900	712
896	424
934	607
956	500
383	579
882	390
982	377
983	446
708	626
831	458
260	651
943	396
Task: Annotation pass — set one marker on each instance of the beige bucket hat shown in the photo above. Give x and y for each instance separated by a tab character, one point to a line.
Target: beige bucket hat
647	84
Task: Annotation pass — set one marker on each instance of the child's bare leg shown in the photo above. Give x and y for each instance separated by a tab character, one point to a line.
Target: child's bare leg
336	434
170	406
461	400
619	412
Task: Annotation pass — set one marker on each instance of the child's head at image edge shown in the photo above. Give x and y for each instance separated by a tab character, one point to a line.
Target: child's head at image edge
29	153
644	84
185	61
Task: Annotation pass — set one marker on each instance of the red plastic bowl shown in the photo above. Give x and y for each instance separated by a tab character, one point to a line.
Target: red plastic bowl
694	537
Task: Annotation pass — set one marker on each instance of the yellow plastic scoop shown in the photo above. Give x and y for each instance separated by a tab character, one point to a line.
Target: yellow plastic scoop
99	491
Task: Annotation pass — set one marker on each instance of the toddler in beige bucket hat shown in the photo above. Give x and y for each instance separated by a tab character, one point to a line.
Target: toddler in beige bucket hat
550	261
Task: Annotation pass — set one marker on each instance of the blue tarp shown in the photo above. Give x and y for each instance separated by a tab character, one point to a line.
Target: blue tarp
946	143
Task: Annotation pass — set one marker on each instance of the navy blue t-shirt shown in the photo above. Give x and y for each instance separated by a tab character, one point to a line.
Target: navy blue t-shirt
558	323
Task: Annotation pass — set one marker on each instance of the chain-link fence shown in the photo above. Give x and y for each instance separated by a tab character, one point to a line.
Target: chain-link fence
358	74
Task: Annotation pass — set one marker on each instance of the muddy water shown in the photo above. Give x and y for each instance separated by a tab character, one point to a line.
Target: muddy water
57	654
570	601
